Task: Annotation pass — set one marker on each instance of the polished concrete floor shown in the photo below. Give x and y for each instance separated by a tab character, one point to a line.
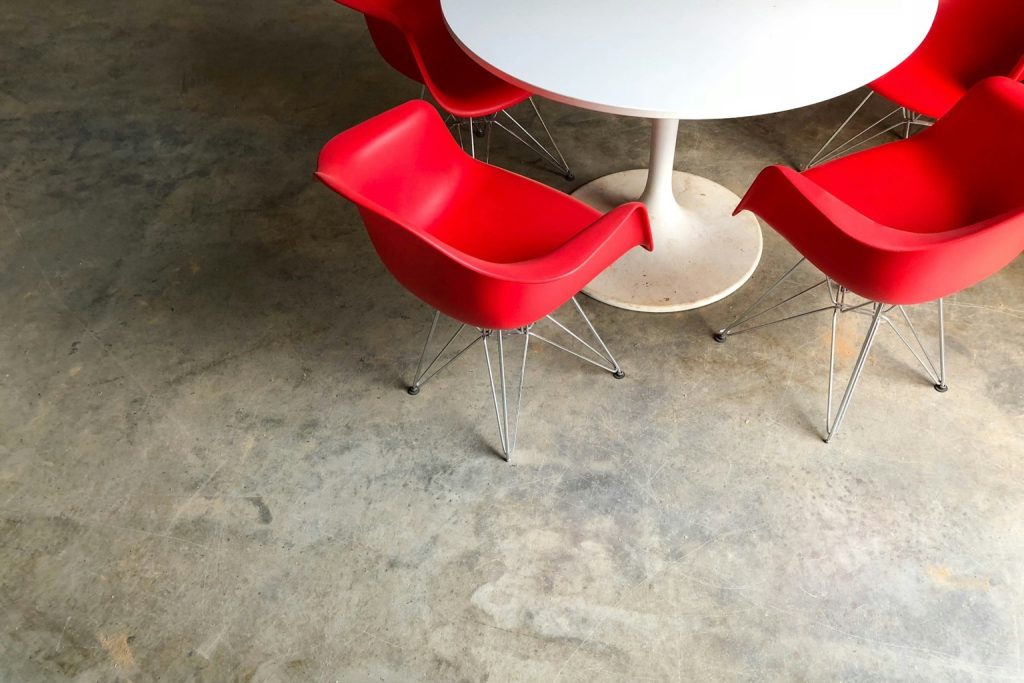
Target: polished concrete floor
209	470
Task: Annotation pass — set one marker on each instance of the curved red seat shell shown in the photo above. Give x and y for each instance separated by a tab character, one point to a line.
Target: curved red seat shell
484	246
970	40
917	219
412	37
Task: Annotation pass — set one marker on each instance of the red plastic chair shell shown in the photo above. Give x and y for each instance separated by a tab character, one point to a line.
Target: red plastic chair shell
412	37
484	246
969	40
914	220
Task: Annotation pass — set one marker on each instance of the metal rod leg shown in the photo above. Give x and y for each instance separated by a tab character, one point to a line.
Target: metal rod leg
838	131
530	141
941	386
503	419
876	319
519	397
617	373
859	140
425	371
472	139
831	367
508	429
487	140
721	335
908	121
414	388
569	175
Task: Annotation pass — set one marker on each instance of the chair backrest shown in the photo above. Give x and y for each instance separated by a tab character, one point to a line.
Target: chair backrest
412	37
393	46
974	39
403	171
392	25
403	164
983	137
965	168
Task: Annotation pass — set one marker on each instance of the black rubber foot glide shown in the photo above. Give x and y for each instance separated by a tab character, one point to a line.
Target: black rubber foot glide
720	337
412	391
941	388
618	374
570	176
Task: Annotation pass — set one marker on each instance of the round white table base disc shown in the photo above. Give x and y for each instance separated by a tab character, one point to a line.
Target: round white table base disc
702	253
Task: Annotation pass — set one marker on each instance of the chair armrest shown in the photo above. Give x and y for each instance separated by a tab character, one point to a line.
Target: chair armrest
780	192
778	184
590	251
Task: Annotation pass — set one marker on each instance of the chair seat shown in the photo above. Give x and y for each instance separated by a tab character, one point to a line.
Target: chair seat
504	218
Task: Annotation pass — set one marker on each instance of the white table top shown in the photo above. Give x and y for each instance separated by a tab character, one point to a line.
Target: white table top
689	59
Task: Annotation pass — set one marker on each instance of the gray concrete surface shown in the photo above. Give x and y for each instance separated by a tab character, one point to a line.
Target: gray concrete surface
209	470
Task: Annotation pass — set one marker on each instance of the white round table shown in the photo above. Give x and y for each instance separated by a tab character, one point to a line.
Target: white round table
668	60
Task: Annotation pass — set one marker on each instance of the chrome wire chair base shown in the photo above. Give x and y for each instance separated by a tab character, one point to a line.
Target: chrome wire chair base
506	408
878	312
481	128
904	124
506	392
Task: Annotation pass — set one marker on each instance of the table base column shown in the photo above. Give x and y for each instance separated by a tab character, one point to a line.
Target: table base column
702	253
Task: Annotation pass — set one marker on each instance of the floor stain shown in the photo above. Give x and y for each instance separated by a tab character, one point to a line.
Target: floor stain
945	577
119	650
261	508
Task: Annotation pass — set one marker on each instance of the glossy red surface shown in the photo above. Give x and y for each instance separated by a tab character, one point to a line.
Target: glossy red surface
969	41
914	220
482	245
412	37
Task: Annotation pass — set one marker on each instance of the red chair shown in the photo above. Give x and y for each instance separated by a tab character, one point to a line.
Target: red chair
493	250
904	223
970	40
412	37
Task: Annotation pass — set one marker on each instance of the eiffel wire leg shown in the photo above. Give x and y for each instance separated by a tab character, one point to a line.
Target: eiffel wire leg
832	426
936	373
831	368
508	428
606	360
508	401
519	132
489	126
617	372
424	373
569	175
482	128
905	121
941	386
838	305
839	130
736	326
414	388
